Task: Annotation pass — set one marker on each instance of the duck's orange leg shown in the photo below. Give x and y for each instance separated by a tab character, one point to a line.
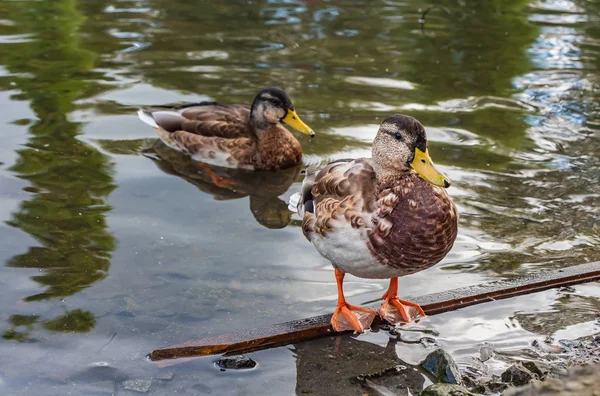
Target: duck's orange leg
395	310
216	179
346	316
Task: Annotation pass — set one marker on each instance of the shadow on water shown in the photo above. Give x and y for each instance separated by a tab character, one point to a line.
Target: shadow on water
69	181
344	365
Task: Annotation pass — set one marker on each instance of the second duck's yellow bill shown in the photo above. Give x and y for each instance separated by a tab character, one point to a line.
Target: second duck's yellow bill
427	170
292	119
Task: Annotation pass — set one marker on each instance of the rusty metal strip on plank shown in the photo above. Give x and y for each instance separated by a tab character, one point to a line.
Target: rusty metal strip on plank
305	329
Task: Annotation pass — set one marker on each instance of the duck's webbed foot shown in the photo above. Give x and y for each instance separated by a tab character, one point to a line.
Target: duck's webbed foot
350	317
394	310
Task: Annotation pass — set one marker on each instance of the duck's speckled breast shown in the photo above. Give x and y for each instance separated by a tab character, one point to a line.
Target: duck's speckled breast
278	149
415	226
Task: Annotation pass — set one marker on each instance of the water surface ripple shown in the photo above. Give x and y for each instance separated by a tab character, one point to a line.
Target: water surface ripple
113	245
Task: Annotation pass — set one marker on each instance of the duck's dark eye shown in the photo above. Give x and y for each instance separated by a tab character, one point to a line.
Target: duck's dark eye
275	101
398	136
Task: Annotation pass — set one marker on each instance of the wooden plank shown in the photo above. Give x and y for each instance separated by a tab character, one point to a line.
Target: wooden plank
432	304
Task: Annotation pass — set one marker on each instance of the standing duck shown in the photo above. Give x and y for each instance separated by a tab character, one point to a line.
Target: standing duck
384	217
233	135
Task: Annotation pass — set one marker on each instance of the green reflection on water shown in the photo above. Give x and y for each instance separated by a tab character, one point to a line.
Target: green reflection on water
69	180
458	74
75	320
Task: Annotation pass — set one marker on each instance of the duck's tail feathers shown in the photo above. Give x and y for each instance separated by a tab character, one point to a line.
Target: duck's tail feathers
146	116
294	202
302	201
168	119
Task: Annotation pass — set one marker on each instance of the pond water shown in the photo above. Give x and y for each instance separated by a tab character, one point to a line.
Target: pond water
112	246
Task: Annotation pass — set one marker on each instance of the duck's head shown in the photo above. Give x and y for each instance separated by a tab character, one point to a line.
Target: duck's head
401	147
272	106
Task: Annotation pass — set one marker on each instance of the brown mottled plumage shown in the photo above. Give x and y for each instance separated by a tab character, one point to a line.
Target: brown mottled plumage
380	218
233	135
415	226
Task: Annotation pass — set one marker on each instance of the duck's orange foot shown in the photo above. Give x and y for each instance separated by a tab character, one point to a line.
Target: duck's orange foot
350	317
395	310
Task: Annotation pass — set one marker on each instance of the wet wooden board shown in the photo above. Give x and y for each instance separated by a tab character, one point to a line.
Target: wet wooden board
305	329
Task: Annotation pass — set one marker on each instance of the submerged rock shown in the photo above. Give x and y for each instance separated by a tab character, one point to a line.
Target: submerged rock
484	385
570	344
429	342
485	353
235	363
539	369
137	385
445	390
546	347
517	375
99	372
442	366
580	381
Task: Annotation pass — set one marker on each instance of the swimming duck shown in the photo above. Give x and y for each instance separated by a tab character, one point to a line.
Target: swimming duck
384	217
233	135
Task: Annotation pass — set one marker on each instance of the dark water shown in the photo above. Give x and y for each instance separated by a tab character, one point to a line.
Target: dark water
113	246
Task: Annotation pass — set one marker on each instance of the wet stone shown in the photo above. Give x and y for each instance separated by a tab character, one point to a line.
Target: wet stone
580	381
409	337
470	382
545	347
485	353
567	289
496	385
484	384
539	369
570	344
558	370
445	390
442	366
475	367
429	342
137	385
235	363
517	375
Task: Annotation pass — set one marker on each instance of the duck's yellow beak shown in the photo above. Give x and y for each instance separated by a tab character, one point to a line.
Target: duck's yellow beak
425	168
292	119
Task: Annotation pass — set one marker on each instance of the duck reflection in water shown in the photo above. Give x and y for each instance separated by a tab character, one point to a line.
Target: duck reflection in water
263	188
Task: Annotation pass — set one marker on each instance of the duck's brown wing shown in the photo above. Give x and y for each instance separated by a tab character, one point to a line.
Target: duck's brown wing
212	119
214	150
345	190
